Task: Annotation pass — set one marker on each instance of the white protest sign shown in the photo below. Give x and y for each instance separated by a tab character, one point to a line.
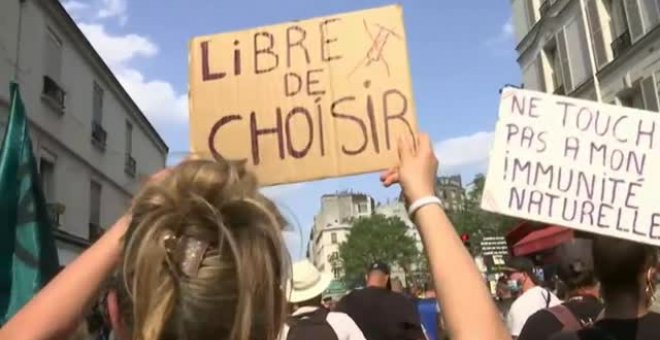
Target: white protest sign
576	163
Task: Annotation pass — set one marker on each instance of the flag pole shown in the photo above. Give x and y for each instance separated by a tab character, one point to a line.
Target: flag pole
18	39
590	48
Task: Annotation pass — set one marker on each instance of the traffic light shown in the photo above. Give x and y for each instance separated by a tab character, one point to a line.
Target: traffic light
465	238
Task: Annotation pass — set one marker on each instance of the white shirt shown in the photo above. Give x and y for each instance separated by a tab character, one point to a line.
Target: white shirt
341	323
527	304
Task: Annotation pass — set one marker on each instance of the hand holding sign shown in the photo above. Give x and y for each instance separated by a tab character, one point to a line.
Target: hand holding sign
417	168
305	100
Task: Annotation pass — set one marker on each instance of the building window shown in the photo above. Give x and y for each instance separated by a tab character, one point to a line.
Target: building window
97	99
129	138
634	16
363	207
632	98
47	176
333	238
650	10
565	66
53	56
94	210
52	91
617	17
130	165
99	134
650	93
597	36
578	53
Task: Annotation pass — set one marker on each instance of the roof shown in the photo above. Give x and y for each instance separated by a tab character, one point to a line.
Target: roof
55	8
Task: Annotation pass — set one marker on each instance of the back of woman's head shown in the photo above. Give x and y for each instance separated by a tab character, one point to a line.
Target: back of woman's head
203	257
621	266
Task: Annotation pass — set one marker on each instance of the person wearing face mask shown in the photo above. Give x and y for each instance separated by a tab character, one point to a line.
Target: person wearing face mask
582	305
626	272
531	296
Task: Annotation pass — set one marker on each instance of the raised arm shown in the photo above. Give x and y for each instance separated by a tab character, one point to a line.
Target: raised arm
467	306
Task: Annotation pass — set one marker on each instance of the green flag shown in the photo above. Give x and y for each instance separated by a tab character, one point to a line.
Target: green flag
28	257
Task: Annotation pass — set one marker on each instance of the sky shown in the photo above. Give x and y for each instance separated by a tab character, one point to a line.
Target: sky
461	53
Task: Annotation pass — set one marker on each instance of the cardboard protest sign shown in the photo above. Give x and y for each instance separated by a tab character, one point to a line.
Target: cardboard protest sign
304	100
576	163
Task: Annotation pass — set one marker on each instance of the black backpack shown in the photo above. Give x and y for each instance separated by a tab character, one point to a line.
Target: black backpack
311	325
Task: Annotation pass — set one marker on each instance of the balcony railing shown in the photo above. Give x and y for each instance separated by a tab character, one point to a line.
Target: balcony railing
53	93
99	135
621	44
130	166
55	211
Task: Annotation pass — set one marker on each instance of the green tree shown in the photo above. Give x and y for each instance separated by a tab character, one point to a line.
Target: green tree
376	238
477	222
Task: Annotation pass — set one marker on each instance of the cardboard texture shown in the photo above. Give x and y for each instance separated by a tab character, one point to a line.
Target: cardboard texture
576	163
304	100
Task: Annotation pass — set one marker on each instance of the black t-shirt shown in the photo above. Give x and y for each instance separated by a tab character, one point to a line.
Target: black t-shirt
542	324
644	328
382	314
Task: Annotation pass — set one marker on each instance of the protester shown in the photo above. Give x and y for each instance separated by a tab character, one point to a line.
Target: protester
380	313
626	271
502	290
239	287
582	305
200	256
429	313
309	319
532	297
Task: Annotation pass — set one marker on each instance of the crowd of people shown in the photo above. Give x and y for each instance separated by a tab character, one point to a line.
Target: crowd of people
200	255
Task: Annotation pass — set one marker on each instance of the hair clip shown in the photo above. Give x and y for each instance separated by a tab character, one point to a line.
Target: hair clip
169	241
191	252
187	251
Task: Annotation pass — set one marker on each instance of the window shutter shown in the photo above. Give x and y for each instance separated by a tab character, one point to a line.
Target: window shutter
649	10
634	19
540	75
531	76
650	94
578	53
53	56
597	38
563	56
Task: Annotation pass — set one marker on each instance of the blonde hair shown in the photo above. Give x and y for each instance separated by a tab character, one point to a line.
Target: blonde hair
237	291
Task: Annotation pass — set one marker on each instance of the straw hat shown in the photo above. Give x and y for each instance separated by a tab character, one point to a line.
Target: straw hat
307	282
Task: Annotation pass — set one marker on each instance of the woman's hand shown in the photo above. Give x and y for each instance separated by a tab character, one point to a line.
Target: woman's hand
417	169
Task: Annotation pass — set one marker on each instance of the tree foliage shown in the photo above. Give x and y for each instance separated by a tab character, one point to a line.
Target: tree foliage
376	238
477	222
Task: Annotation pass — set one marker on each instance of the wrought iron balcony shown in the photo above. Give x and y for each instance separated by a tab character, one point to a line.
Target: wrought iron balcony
99	135
621	44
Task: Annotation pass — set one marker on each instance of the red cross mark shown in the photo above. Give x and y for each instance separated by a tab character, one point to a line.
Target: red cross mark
376	51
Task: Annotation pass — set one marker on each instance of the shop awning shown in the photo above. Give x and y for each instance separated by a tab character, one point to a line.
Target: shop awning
542	239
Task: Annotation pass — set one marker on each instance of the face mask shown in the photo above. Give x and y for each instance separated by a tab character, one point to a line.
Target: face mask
514	286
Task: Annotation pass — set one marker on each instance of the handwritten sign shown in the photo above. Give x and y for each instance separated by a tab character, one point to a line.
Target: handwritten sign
304	100
576	163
